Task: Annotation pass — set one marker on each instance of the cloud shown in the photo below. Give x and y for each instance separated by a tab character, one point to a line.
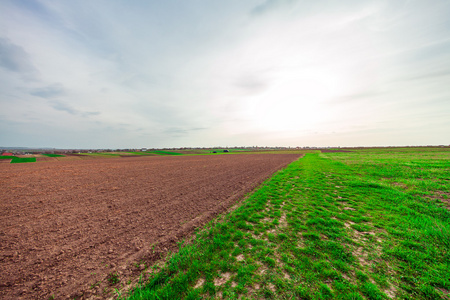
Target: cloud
63	106
50	91
60	105
14	58
270	5
90	113
54	93
251	84
180	132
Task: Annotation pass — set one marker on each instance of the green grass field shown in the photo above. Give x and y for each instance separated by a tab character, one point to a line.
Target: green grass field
53	155
366	224
162	152
17	160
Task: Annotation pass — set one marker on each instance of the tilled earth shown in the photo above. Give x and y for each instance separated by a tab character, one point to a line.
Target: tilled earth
66	225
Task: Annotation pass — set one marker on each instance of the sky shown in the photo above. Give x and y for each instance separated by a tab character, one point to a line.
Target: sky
163	74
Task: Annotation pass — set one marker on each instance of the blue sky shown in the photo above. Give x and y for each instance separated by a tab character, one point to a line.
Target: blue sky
125	74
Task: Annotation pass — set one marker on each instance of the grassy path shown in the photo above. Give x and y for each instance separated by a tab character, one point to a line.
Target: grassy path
361	225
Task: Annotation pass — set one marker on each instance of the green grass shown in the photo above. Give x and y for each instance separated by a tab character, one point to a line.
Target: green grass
145	153
162	152
361	225
17	160
7	157
53	155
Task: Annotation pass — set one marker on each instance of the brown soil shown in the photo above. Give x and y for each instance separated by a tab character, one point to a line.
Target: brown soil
443	197
43	158
66	225
74	157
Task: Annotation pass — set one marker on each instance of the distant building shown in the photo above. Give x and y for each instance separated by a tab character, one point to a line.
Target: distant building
7	154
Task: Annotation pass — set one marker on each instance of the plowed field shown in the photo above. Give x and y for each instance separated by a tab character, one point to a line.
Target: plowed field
66	225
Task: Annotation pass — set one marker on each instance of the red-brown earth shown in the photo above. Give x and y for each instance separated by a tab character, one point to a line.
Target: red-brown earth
66	225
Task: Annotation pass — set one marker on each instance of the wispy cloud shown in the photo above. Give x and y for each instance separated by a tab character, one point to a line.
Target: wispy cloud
14	58
55	94
271	5
63	106
181	132
50	91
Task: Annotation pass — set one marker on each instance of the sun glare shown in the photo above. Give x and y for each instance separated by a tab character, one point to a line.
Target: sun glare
297	101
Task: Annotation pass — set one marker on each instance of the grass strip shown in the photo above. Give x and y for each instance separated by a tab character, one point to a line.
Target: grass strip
162	152
359	225
17	160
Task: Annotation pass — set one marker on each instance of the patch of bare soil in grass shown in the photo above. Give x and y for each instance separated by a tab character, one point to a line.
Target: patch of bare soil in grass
199	283
445	292
367	251
240	257
444	197
222	279
349	224
400	185
282	221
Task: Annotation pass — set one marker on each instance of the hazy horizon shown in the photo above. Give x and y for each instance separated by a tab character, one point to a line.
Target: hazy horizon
172	74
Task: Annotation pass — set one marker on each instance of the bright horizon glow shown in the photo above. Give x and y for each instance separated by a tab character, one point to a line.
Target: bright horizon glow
106	74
